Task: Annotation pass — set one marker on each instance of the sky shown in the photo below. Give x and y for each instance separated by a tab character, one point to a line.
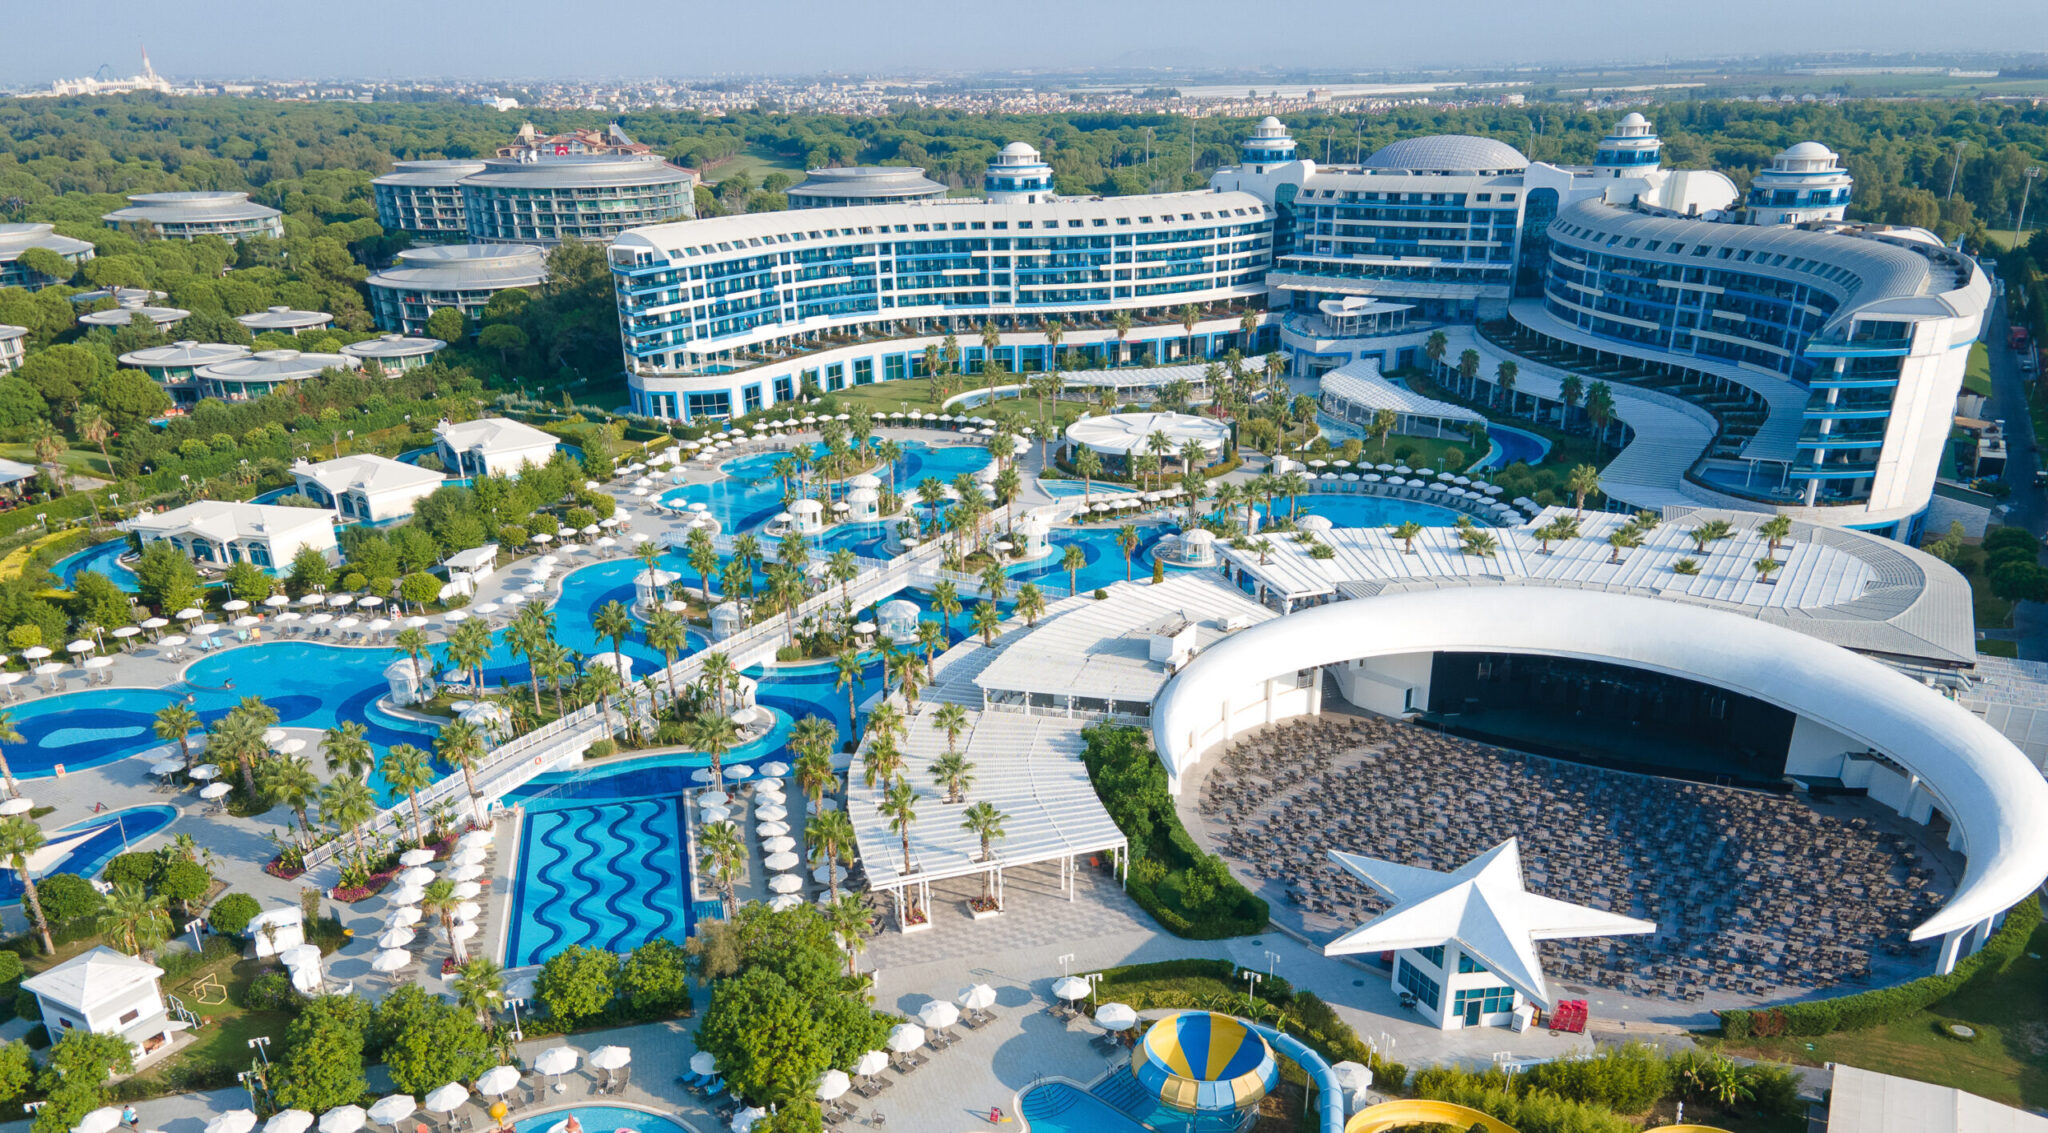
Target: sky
513	39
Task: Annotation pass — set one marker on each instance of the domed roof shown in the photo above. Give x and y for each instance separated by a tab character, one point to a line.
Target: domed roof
1448	153
1269	123
1634	119
1020	149
1808	151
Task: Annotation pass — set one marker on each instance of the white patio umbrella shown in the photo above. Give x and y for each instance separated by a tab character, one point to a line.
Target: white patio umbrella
475	838
343	1119
703	1062
775	768
417	875
467	890
610	1057
79	647
556	1061
771	812
412	858
938	1014
397	937
408	895
780	861
214	791
905	1037
745	1120
468	910
37	653
462	930
871	1063
404	917
780	844
446	1099
785	883
784	902
979	997
1116	1017
289	1121
205	771
497	1080
101	1120
1071	988
233	1121
390	960
299	955
712	815
771	829
189	614
466	873
393	1109
833	1084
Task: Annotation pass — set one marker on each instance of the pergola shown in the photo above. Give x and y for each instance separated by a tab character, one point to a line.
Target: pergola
1355	393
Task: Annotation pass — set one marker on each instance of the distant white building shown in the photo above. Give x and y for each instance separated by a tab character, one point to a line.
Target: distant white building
365	486
186	215
13	344
224	531
105	992
496	446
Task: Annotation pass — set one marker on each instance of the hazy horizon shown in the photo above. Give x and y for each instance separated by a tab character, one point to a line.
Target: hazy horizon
526	40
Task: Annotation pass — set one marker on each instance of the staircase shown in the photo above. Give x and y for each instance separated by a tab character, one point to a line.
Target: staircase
1048	1100
1122	1090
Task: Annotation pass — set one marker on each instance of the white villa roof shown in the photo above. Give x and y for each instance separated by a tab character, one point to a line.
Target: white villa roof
1859	591
1483	906
222	520
492	435
1360	383
1028	767
1128	432
1864	1101
1101	649
12	471
91	977
472	558
366	471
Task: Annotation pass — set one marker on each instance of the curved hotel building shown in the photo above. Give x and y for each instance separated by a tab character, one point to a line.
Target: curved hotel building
533	200
464	276
16	239
724	316
424	198
186	216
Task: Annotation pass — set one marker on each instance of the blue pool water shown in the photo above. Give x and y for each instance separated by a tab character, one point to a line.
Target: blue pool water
113	832
604	874
1061	489
102	557
1365	511
599	1119
1511	445
1105	558
1056	1107
750	494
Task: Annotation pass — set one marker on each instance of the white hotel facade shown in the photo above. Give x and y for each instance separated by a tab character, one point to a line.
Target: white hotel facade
1822	358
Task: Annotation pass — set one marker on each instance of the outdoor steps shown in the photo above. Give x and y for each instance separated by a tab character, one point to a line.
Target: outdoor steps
1048	1100
1122	1090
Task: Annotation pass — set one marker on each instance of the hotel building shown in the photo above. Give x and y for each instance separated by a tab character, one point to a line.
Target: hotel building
18	238
185	216
590	198
463	276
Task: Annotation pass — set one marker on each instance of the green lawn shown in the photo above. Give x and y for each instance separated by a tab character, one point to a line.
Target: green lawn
2007	1063
2001	238
756	162
1977	377
82	461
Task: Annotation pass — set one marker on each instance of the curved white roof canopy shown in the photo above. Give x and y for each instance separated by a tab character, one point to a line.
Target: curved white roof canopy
1994	797
1130	432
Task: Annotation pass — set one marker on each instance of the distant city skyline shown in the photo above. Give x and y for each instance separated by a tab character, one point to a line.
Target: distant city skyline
511	40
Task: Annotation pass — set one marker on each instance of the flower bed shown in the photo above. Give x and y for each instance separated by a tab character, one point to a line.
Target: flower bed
370	888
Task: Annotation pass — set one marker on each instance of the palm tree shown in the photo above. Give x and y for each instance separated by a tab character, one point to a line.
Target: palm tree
952	720
714	736
439	901
985	822
50	447
1569	390
20	837
882	761
614	621
849	918
1480	543
931	636
93	427
553	662
722	855
290	781
847	669
842	567
1468	368
413	643
173	722
988	621
899	806
347	749
1436	346
995	582
1504	377
1765	568
1406	533
946	599
1030	603
531	629
410	770
135	918
1599	409
669	636
478	984
1776	529
1089	464
814	774
1189	316
1127	541
347	802
460	744
703	558
1622	538
954	772
1121	322
1711	531
885	720
716	673
238	736
1071	561
1584	481
469	645
598	685
832	842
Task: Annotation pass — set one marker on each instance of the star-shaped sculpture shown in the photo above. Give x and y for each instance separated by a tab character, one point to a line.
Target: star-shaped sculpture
1482	906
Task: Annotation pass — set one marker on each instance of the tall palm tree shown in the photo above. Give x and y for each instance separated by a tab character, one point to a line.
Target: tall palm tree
599	684
931	638
614	621
1583	482
553	662
832	843
843	566
786	586
439	901
347	802
703	555
995	582
1189	316
899	806
714	736
985	822
850	920
346	748
988	621
413	643
722	855
93	427
814	775
952	720
460	744
133	917
954	772
238	737
717	674
1071	561
173	722
946	599
531	629
478	984
410	770
882	762
847	675
669	636
469	644
20	837
1127	540
289	781
1089	465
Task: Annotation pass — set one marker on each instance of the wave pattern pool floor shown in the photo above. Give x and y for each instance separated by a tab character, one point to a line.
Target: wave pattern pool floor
605	875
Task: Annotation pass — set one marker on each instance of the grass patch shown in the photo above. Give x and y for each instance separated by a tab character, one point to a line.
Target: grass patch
82	461
2007	1063
1977	375
754	161
1998	647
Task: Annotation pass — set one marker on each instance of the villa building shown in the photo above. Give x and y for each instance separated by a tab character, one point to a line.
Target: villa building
491	446
105	992
424	199
176	366
18	238
220	532
589	198
129	308
365	487
864	185
13	344
184	216
611	141
243	379
394	353
285	320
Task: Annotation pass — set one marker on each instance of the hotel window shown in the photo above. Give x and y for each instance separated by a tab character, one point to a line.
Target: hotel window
751	397
1433	955
1489	1000
785	388
863	371
835	376
710	404
1422	987
1467	965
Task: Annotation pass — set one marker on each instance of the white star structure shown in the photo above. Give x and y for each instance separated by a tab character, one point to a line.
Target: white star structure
1483	906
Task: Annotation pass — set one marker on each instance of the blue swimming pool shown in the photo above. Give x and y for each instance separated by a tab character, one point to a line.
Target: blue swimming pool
1060	489
91	844
1057	1107
101	557
605	874
1365	511
599	1119
1512	445
1105	558
750	494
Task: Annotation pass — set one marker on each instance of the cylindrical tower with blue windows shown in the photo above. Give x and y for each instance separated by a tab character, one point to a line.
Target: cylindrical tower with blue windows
1270	144
1804	183
1631	147
1018	175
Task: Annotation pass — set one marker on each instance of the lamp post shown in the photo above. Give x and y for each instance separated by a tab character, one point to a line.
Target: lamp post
1251	988
1955	167
515	1005
261	1045
2026	186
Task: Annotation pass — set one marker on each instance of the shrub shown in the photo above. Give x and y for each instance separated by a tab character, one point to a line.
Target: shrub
578	983
599	749
66	897
10	967
271	991
135	868
230	916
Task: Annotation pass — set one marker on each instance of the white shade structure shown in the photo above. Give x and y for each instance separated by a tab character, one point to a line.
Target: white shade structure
784	902
780	862
402	918
871	1063
390	960
233	1121
289	1121
1071	988
609	1057
745	1120
905	1037
833	1084
299	955
979	997
703	1062
412	858
785	883
1116	1017
497	1080
393	1109
556	1061
938	1014
215	791
417	875
466	873
446	1099
343	1119
397	937
101	1120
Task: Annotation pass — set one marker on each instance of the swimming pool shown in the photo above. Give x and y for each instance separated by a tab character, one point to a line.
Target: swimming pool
605	874
1105	559
91	844
750	494
1061	489
1511	445
101	557
1365	511
1058	1107
600	1119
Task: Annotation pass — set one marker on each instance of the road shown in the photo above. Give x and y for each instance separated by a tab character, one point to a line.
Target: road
2026	506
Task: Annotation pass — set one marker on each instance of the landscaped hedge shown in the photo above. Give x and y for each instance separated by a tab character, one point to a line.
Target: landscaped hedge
1889	1004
